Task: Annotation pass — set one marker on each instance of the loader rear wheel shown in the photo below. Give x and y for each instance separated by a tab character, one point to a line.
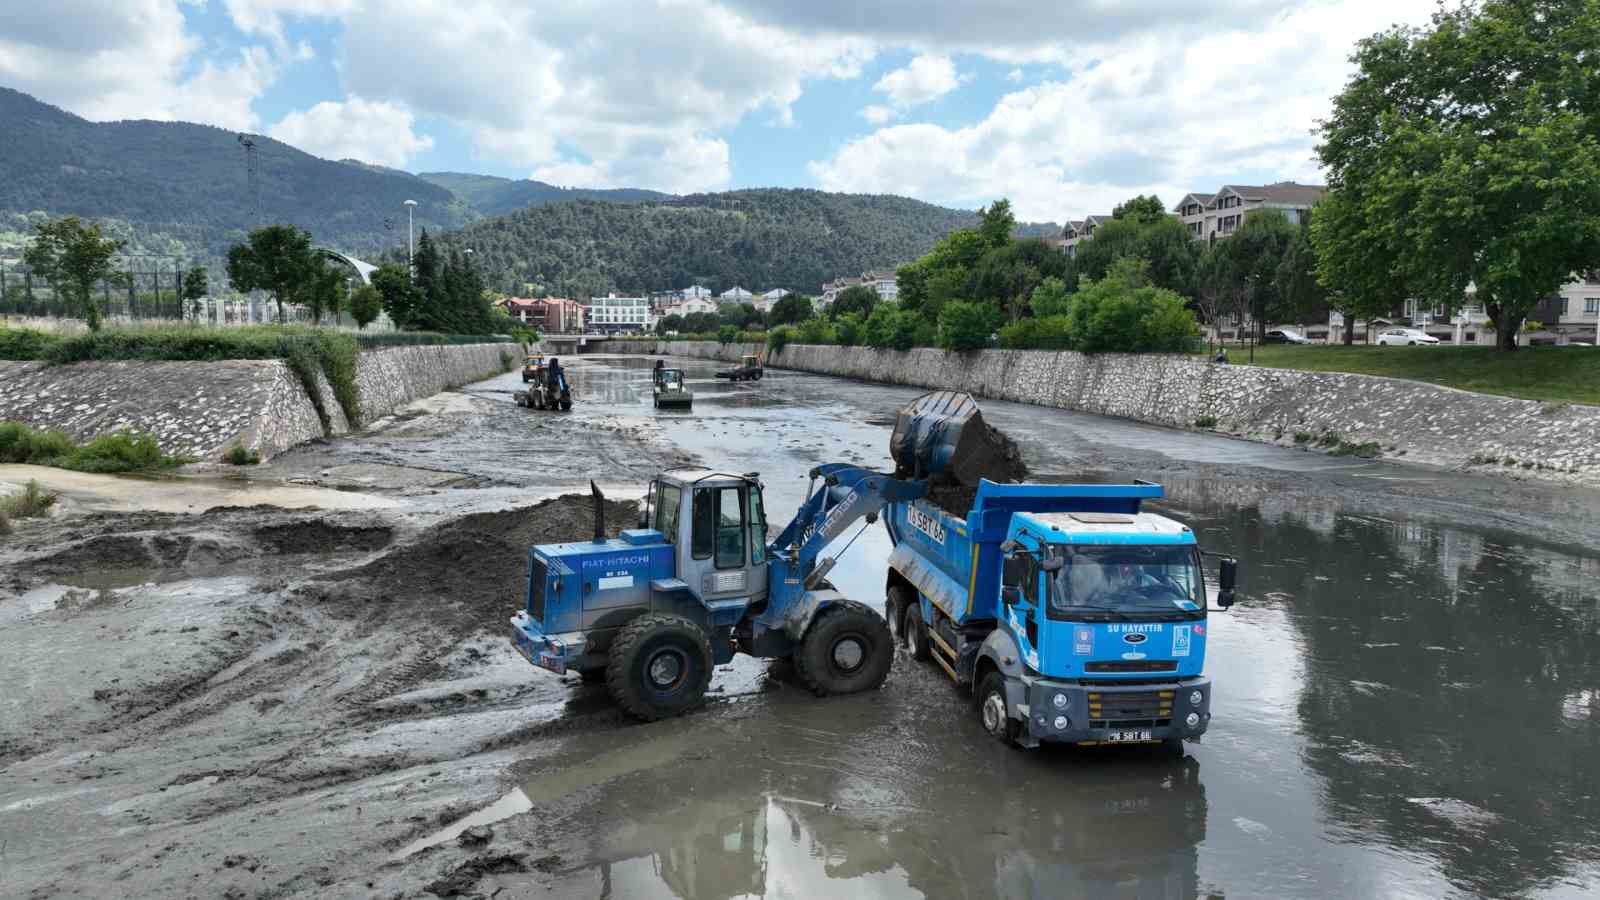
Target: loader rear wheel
991	706
660	667
847	649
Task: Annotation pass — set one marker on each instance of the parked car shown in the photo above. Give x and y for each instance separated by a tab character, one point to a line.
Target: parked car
1285	336
1408	337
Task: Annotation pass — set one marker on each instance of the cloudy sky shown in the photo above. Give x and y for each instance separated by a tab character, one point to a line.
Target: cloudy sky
1065	106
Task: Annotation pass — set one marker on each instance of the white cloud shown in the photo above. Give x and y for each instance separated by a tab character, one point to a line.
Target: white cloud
1014	76
267	17
877	114
1149	113
593	91
381	133
133	59
926	79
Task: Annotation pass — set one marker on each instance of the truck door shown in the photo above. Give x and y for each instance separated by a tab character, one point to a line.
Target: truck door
1019	594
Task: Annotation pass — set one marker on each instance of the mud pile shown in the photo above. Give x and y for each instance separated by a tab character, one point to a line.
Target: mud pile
942	437
467	573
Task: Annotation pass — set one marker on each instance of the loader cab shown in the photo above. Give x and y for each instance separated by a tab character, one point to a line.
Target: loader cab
717	526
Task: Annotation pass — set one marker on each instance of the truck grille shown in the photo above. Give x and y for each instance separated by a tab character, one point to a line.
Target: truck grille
1130	709
1139	665
538	574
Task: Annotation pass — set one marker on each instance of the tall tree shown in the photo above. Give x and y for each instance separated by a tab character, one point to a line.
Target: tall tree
401	299
996	222
857	299
365	305
1301	297
276	259
326	291
73	257
1163	243
196	284
1142	208
1466	152
1253	255
790	310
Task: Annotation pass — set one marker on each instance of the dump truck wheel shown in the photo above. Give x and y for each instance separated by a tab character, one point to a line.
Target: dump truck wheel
593	676
915	632
847	649
660	667
566	403
991	706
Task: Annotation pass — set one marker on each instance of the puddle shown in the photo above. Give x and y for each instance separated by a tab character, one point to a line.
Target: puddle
558	784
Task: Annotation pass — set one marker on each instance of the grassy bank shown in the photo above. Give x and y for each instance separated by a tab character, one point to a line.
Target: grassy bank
1552	374
107	454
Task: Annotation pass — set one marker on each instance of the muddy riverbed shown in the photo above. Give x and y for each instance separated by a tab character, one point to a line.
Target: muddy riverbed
251	701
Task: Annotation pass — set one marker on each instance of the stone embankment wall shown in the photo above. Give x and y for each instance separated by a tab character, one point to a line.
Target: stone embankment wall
200	409
1405	419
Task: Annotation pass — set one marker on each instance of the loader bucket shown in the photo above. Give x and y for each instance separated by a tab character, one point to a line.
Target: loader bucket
942	437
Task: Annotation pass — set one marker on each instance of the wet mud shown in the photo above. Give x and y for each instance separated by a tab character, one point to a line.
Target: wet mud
271	702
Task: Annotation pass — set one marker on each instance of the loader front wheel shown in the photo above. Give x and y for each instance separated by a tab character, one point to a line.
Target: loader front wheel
660	666
847	649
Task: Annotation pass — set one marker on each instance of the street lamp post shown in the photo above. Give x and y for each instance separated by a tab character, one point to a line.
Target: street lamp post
411	247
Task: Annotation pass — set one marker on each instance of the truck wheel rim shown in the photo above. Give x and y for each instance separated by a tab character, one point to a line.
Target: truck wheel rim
849	653
665	670
994	713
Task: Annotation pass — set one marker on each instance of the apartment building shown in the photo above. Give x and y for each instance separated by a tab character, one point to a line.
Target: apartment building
737	294
1209	217
611	314
551	315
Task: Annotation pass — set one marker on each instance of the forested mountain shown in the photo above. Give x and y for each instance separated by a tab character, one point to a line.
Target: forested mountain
494	196
180	191
764	239
178	188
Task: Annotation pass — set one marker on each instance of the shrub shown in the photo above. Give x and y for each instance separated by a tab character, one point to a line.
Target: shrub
848	330
779	337
120	452
21	444
32	502
1122	313
1328	439
25	343
1048	333
1303	437
239	456
1364	450
1206	422
815	331
1050	298
727	334
966	326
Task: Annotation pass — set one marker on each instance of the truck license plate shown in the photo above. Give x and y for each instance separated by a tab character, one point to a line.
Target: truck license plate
553	663
1125	736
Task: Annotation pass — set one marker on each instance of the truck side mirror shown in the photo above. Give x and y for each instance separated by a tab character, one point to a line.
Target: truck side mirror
1227	580
1010	547
1011	595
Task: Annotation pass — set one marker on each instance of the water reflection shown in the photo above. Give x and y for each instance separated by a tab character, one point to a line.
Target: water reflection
1124	831
1450	677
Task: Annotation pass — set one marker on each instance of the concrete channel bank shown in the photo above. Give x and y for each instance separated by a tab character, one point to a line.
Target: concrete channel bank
1407	420
200	409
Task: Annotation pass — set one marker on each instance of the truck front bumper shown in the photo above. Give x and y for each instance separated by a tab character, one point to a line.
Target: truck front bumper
548	651
1114	713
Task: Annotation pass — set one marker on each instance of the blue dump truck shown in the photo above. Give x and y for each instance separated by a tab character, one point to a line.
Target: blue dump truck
1073	615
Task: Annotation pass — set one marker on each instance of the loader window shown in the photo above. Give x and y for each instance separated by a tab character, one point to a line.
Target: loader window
704	537
758	528
667	497
730	528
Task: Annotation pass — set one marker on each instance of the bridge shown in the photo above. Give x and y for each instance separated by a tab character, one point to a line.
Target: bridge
575	343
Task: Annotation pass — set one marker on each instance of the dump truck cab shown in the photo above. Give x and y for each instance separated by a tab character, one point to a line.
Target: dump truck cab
1074	616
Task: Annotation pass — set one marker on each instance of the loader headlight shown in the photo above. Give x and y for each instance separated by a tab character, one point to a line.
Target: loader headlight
1060	700
1192	720
1061	721
1196	698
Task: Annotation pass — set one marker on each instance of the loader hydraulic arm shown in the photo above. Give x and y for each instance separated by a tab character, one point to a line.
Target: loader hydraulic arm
848	493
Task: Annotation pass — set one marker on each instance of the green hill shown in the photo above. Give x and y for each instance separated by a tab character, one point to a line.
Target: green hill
179	188
493	196
758	239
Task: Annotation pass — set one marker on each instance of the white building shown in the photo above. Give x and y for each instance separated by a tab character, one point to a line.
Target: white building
695	292
883	283
1212	216
612	314
689	307
766	301
737	294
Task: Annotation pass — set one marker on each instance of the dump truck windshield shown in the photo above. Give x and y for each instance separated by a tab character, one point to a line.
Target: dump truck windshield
1125	580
